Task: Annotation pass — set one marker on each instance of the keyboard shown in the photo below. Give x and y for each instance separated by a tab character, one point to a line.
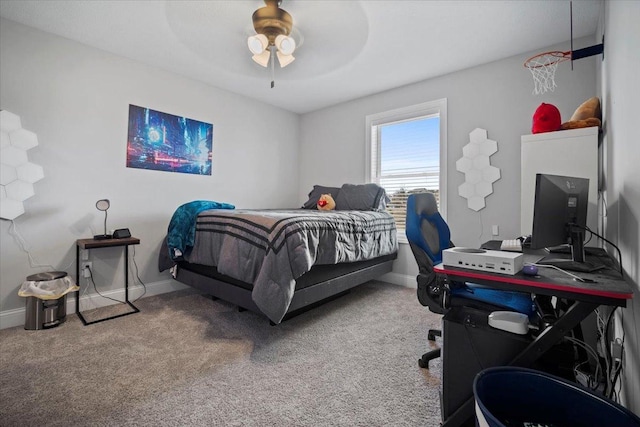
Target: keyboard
514	245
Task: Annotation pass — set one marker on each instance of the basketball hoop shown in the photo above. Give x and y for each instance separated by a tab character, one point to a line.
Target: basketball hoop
543	69
543	66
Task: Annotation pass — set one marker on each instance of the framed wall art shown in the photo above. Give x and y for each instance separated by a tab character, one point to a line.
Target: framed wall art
164	142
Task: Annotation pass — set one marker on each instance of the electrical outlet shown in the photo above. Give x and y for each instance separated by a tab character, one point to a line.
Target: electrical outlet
85	268
85	254
495	230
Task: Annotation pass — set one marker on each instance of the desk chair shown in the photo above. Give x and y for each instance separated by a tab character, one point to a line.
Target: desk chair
428	235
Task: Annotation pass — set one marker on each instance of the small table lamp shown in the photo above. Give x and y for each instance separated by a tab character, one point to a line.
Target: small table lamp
103	205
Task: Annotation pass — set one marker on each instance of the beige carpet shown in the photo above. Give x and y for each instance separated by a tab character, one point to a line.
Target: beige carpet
188	360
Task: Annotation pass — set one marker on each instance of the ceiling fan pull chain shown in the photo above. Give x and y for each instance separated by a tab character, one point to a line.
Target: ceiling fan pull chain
273	78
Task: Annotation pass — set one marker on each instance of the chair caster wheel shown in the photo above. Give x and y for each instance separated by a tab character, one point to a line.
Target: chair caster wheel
422	364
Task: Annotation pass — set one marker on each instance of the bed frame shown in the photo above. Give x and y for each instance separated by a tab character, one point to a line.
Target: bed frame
321	284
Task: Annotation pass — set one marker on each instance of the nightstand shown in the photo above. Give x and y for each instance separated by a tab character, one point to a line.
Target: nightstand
106	243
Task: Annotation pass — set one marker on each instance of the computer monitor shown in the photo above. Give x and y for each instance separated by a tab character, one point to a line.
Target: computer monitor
560	217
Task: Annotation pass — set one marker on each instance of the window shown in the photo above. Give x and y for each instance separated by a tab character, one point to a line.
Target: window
406	153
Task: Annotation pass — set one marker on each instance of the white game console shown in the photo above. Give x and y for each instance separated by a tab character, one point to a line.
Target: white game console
483	260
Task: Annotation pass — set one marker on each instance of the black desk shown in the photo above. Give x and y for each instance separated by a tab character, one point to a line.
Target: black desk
610	289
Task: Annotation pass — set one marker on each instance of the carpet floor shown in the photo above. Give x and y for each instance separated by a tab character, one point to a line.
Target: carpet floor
186	359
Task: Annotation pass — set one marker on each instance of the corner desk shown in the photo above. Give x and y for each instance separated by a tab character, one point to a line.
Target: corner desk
609	289
106	243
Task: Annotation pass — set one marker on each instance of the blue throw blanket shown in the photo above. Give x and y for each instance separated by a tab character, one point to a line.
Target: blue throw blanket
182	228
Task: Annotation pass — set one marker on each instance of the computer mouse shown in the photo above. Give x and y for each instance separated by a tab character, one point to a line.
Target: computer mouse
530	270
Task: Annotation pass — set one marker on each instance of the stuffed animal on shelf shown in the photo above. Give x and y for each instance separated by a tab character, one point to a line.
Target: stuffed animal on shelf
587	115
546	119
326	203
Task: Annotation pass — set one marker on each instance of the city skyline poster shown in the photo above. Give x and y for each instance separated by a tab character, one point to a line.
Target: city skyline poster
166	142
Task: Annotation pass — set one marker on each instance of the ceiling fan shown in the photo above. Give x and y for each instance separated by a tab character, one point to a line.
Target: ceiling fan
273	36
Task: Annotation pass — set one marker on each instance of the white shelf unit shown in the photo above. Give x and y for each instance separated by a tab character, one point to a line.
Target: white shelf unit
570	153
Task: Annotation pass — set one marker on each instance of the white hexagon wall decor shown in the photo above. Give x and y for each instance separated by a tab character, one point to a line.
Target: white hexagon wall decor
23	139
30	172
475	164
8	174
13	156
9	122
19	190
17	173
11	209
4	139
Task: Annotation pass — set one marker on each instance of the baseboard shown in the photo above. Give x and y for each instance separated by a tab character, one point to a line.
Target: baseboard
400	279
15	317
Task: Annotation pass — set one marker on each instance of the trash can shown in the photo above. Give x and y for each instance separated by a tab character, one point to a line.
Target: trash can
44	314
511	396
46	294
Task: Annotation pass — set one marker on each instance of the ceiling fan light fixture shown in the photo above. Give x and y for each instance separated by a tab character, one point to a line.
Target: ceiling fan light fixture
257	43
272	39
285	44
263	58
284	60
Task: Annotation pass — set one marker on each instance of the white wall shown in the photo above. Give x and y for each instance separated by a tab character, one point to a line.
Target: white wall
496	96
620	94
76	99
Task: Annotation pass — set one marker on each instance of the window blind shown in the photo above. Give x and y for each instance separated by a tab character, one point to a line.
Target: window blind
405	155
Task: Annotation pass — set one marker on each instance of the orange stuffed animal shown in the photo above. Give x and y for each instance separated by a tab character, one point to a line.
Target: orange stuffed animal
587	115
326	203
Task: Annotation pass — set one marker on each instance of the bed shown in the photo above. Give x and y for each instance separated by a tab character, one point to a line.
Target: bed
281	262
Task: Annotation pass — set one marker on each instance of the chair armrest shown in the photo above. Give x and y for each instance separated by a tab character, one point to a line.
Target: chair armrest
432	292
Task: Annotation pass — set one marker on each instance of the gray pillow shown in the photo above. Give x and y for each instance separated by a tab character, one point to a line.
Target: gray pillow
315	194
364	197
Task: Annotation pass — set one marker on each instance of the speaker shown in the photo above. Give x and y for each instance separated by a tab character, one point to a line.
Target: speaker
121	233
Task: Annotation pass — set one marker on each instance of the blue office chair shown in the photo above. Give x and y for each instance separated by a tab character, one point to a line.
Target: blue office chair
428	235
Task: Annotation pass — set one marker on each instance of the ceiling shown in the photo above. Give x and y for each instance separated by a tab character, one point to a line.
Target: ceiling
350	48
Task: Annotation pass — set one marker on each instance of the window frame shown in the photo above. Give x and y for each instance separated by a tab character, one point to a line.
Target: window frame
412	112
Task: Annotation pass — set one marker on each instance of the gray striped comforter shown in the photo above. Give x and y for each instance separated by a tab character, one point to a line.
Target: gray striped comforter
272	248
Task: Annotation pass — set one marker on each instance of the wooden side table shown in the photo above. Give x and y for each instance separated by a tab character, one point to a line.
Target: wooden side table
106	243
